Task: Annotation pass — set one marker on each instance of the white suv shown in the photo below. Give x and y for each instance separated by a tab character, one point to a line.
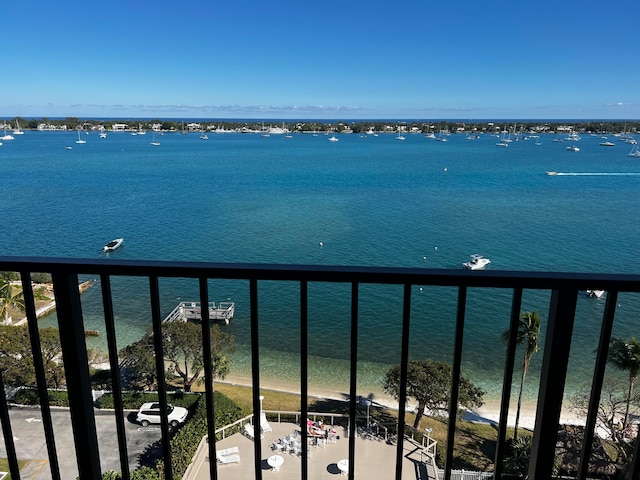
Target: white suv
150	413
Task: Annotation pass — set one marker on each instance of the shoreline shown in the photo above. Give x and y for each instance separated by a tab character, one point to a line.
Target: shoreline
488	413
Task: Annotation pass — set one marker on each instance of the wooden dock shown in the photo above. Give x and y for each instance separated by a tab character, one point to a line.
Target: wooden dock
189	311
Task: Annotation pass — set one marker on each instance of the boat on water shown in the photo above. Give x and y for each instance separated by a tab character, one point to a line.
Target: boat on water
79	139
573	148
333	138
477	262
552	172
635	152
595	293
607	144
113	244
18	130
6	135
502	144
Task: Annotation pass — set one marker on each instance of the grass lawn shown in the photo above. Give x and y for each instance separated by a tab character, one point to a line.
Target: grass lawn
4	466
474	445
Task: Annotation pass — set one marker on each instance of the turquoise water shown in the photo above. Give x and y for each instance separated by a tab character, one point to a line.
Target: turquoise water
370	201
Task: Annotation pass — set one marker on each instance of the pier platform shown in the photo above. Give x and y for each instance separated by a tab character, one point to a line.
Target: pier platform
186	311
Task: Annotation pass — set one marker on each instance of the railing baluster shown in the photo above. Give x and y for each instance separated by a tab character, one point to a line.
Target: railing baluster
304	374
208	376
41	381
156	320
255	376
555	361
507	381
116	386
455	380
8	434
353	384
404	360
596	385
76	364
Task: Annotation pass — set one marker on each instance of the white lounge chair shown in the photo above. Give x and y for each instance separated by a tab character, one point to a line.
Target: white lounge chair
264	424
229	459
228	456
249	432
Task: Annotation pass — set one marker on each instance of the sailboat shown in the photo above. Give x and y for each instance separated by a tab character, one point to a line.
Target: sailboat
154	142
6	135
17	130
79	139
504	142
635	152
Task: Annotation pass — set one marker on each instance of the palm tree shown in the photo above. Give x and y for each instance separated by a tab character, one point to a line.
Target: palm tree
9	298
625	355
528	333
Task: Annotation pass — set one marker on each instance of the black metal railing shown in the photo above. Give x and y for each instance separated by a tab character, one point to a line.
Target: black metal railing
564	287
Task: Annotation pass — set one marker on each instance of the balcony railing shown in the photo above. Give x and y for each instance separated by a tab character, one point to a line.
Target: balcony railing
66	273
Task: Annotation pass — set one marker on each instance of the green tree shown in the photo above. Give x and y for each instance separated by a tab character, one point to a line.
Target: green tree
516	460
16	357
182	348
429	383
529	334
10	297
138	365
625	356
182	351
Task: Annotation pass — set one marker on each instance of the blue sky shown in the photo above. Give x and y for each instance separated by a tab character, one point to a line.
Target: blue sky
329	60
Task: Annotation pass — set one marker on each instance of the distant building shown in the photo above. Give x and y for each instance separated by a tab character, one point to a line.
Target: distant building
119	127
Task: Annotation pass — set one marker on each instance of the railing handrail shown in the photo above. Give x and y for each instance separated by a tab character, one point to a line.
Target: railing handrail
564	288
332	273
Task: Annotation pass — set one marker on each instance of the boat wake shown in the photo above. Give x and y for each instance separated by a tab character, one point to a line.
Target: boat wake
595	174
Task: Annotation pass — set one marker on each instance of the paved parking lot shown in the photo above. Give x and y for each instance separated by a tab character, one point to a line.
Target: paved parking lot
28	433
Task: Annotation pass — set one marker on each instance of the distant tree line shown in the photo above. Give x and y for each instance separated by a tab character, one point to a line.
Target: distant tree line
360	126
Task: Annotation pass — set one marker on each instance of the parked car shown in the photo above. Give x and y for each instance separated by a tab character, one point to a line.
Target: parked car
150	413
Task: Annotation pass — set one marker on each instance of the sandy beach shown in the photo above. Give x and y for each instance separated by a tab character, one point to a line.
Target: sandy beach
488	413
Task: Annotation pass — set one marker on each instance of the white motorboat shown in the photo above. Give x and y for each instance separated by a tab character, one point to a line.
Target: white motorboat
552	173
573	148
595	293
113	244
477	262
333	138
607	144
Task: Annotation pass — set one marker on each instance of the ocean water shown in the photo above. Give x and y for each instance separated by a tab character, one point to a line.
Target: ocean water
361	201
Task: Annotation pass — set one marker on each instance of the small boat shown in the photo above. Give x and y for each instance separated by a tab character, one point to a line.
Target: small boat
68	148
113	244
552	172
477	262
333	138
79	139
502	144
635	152
595	293
573	148
607	144
18	130
6	136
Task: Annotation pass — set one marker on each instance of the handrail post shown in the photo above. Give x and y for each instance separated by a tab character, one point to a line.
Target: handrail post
555	361
76	364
